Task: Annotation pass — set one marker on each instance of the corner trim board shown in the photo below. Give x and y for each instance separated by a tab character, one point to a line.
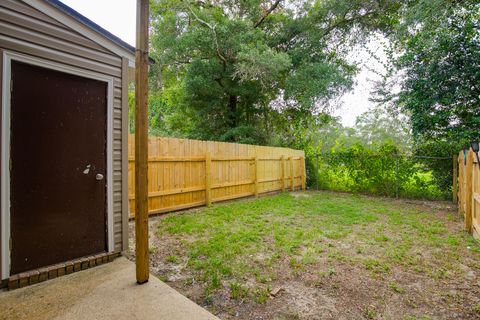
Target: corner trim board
125	201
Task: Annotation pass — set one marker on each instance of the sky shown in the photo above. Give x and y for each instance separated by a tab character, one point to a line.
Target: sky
117	16
356	102
121	22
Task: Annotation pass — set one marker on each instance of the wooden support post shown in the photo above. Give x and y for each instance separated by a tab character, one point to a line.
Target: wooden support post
292	175
469	191
461	184
455	179
282	159
208	179
141	143
302	166
256	176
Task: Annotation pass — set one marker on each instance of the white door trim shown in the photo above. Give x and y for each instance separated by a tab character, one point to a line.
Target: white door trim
8	56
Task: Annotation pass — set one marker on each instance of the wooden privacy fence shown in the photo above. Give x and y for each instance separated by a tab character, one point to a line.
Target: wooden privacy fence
468	195
185	173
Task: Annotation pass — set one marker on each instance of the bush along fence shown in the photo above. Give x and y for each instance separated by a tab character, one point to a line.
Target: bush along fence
468	187
185	173
382	172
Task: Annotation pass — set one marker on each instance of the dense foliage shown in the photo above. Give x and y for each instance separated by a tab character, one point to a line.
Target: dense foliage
439	53
255	71
436	61
383	171
364	159
270	71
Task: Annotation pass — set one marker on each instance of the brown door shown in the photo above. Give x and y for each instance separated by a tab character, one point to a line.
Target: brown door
57	147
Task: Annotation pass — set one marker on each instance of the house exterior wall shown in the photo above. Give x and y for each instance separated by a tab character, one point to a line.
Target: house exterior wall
26	30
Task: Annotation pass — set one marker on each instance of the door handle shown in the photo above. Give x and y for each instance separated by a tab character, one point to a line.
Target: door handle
99	176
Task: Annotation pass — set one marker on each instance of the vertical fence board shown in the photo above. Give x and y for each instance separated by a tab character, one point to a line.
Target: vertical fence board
461	184
476	199
256	176
292	175
468	191
208	179
455	178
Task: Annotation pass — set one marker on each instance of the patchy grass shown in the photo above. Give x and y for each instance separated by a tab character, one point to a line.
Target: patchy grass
332	254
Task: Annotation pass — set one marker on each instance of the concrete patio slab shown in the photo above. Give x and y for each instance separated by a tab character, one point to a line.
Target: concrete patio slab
105	292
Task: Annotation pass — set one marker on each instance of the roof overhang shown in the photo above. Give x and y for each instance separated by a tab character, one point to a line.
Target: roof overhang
71	18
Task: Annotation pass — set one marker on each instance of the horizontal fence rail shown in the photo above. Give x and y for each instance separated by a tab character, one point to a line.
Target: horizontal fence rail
468	186
185	173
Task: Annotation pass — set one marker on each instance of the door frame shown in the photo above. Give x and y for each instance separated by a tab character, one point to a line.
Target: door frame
8	56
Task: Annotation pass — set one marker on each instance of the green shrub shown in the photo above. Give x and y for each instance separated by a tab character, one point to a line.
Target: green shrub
378	171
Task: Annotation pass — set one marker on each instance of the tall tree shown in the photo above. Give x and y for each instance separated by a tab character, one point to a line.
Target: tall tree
250	69
439	46
436	55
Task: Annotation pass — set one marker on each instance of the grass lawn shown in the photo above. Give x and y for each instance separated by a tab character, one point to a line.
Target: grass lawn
321	255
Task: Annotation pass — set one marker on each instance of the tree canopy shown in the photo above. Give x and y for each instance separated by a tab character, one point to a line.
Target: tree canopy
271	71
255	71
438	43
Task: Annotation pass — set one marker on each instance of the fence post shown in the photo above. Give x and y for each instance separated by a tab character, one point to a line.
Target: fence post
468	192
292	181
208	179
282	159
396	176
455	179
461	179
256	176
302	166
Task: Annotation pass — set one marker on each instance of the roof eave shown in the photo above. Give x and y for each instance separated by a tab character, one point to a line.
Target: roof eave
86	27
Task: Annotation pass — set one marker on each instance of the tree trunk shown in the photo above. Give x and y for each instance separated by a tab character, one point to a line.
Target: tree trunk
232	105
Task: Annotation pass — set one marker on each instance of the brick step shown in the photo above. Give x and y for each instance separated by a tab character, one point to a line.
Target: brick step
39	275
